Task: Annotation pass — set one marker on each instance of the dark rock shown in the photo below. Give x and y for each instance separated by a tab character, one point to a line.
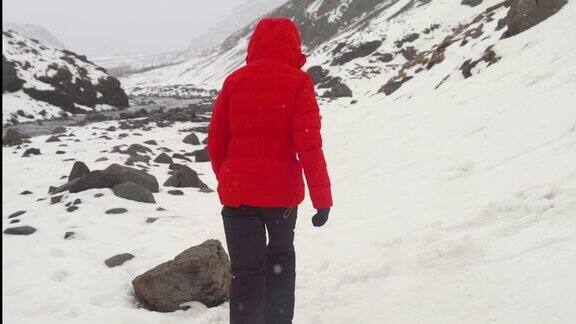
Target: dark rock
10	80
59	130
136	149
525	14
176	192
16	214
185	179
133	191
53	139
135	158
118	260
163	158
101	159
69	235
471	3
56	199
77	201
362	50
79	169
20	230
318	74
151	220
409	53
15	221
31	151
206	190
122	173
60	152
205	141
338	90
181	157
393	85
98	195
151	142
191	139
26	192
202	155
13	137
201	273
93	180
72	208
115	211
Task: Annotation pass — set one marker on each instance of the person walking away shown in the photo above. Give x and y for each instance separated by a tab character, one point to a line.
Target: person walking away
264	131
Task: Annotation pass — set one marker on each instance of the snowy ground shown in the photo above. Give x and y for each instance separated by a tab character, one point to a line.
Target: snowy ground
455	205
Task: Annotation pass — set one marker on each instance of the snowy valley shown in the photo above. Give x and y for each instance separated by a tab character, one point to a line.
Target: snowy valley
450	134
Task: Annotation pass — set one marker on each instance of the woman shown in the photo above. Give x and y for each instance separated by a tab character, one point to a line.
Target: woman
265	130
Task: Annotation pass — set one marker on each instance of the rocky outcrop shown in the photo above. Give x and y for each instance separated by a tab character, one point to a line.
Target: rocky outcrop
201	273
524	14
10	80
13	137
59	78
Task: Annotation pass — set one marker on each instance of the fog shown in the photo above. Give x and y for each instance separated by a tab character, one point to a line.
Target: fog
121	26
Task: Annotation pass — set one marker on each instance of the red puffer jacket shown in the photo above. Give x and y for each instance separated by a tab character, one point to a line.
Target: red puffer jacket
265	126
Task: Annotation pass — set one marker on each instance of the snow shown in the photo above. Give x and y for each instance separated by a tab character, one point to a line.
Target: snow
454	205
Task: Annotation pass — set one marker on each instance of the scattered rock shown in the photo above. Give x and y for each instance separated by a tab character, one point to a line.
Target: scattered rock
101	159
93	180
69	235
202	155
151	220
26	192
151	142
118	260
191	139
133	191
16	214
185	178
353	53
72	208
98	195
56	199
181	157
10	80
59	130
60	152
14	221
135	158
20	230
176	192
163	158
338	90
79	169
116	211
471	3
52	139
201	273
31	151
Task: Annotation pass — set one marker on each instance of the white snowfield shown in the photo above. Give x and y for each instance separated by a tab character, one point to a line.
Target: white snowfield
455	205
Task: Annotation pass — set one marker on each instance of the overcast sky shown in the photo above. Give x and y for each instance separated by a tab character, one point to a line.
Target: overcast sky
98	27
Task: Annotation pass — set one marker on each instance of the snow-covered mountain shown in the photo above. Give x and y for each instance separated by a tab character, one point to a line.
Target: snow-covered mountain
36	32
363	47
242	15
41	82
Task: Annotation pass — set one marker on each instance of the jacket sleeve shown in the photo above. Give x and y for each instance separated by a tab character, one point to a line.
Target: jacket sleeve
308	144
218	132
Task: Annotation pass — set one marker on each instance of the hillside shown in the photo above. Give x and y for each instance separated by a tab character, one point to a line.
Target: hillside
36	32
41	82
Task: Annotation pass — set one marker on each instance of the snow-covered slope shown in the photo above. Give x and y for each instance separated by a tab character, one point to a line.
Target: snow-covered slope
41	82
36	32
453	204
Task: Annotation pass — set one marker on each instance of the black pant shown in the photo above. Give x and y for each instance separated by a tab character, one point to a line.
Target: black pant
262	289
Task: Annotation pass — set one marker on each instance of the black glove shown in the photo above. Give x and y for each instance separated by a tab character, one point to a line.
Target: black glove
321	217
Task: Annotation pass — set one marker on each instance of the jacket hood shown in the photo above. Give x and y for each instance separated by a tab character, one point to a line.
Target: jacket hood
276	38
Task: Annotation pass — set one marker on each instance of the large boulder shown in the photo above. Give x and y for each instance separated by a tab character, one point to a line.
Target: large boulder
202	155
524	14
122	173
201	274
133	191
93	180
338	90
185	178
